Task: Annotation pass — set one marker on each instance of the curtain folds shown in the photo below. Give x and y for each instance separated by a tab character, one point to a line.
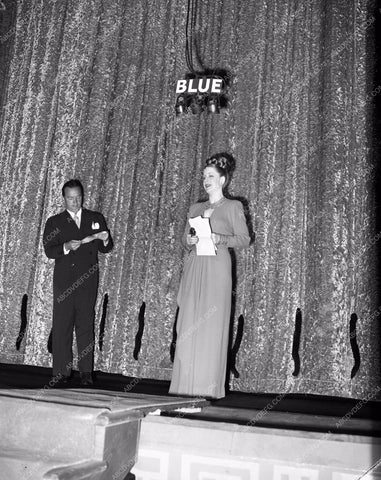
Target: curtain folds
90	93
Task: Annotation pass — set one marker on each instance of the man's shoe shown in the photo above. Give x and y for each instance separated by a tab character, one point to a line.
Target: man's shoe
86	379
59	381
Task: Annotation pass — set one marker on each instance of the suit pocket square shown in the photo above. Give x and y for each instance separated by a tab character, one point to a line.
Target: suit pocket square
95	226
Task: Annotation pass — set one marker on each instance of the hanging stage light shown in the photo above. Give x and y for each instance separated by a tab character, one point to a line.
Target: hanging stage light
181	105
213	104
200	91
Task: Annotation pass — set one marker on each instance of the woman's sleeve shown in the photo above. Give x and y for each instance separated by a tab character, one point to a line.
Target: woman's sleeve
240	237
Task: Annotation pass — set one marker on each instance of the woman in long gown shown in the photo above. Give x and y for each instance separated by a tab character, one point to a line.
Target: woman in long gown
205	291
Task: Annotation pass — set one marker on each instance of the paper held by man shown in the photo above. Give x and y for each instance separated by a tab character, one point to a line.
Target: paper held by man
95	236
205	245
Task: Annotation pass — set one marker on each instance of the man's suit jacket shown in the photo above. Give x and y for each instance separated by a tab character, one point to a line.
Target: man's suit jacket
80	267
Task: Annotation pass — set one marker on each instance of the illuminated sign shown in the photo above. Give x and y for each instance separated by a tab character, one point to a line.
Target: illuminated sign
200	85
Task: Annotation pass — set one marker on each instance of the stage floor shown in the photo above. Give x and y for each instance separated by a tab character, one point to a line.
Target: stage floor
312	413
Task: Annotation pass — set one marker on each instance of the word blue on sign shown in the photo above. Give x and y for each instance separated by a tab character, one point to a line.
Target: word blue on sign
199	85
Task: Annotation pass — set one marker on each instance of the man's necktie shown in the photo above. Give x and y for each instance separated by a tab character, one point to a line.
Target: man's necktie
76	219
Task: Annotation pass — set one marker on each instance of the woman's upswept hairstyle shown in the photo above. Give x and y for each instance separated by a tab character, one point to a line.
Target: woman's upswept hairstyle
224	164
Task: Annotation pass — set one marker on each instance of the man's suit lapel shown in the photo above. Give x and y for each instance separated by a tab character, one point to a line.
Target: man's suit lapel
70	222
71	226
85	227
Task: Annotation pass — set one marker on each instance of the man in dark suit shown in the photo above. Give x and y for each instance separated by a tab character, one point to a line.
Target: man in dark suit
73	238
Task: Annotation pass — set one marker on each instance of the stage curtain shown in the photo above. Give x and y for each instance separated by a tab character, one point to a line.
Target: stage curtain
90	93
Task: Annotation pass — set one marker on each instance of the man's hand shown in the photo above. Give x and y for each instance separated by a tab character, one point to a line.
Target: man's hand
72	245
103	236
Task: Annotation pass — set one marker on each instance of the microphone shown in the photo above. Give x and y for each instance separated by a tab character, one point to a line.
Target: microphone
192	232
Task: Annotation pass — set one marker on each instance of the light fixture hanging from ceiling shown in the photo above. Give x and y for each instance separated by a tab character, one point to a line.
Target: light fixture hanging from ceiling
203	90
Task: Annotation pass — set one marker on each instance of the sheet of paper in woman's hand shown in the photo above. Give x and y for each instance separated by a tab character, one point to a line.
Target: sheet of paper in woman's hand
205	245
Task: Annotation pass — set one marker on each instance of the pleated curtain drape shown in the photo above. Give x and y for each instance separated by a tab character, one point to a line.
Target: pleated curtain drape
89	92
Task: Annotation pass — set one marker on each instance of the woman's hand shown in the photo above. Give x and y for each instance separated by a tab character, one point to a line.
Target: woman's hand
216	238
192	239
